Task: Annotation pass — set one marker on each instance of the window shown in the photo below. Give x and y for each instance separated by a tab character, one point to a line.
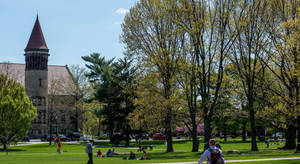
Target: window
33	99
40	81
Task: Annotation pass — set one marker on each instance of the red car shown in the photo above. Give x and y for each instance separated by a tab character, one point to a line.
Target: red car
159	136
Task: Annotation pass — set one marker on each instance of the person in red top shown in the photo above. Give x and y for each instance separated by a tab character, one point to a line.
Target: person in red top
99	153
58	147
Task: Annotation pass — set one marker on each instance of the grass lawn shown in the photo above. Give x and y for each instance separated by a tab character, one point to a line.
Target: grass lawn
74	153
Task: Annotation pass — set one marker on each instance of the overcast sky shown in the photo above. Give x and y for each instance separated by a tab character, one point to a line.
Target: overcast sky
72	28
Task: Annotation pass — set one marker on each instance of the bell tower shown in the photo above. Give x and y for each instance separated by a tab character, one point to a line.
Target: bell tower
36	77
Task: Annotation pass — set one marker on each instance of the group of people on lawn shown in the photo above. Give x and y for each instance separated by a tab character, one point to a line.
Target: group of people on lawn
213	153
109	153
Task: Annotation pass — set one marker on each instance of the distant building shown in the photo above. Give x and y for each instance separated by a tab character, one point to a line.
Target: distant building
48	86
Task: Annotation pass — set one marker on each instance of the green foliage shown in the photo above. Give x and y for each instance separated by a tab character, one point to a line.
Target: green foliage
114	84
17	111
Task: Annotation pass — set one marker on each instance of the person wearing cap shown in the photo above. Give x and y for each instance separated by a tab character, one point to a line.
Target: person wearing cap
89	151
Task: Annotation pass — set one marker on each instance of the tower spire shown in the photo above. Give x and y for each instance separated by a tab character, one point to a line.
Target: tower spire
36	40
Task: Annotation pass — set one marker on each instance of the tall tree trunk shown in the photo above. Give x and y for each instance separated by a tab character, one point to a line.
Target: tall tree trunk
99	127
76	119
50	133
298	138
4	147
194	134
127	139
224	130
244	131
290	142
298	117
207	129
253	127
169	133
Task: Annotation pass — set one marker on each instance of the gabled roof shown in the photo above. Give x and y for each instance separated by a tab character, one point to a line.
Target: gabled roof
36	40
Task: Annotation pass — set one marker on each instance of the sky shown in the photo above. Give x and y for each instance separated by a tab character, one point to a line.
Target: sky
72	28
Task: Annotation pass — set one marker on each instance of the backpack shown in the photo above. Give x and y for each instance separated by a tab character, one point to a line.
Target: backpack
215	156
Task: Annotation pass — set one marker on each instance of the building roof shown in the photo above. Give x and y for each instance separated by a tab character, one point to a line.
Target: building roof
36	40
60	81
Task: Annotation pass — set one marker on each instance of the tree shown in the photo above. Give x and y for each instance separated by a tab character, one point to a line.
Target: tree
17	111
105	91
211	36
81	89
282	59
151	36
247	52
125	78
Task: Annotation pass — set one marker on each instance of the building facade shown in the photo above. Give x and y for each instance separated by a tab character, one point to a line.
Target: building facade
49	87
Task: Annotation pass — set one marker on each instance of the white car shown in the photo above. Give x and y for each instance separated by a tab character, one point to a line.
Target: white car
279	135
85	137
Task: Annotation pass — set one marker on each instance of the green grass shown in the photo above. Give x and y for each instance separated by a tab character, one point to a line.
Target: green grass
74	153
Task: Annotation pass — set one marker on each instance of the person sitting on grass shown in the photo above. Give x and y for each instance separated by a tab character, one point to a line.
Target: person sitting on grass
99	153
213	154
131	156
108	153
144	156
112	153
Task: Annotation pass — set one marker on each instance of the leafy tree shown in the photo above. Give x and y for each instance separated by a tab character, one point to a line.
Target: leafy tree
247	51
282	59
151	36
17	111
81	89
210	37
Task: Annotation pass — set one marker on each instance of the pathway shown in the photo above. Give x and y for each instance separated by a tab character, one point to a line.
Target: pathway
246	160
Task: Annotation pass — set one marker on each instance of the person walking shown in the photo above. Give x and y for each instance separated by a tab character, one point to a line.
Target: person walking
89	151
213	154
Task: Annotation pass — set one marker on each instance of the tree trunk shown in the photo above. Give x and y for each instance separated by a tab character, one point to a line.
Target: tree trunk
127	139
194	131
76	119
298	117
50	133
207	131
99	127
244	131
298	138
194	137
253	127
169	134
4	147
224	130
290	142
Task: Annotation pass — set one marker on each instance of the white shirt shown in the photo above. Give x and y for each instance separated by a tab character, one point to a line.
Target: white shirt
207	153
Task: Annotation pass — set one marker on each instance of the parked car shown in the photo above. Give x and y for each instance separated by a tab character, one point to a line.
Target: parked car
63	138
142	136
26	139
279	135
85	137
76	136
158	136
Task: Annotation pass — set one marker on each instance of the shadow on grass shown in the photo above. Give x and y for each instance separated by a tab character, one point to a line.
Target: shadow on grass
173	155
12	150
